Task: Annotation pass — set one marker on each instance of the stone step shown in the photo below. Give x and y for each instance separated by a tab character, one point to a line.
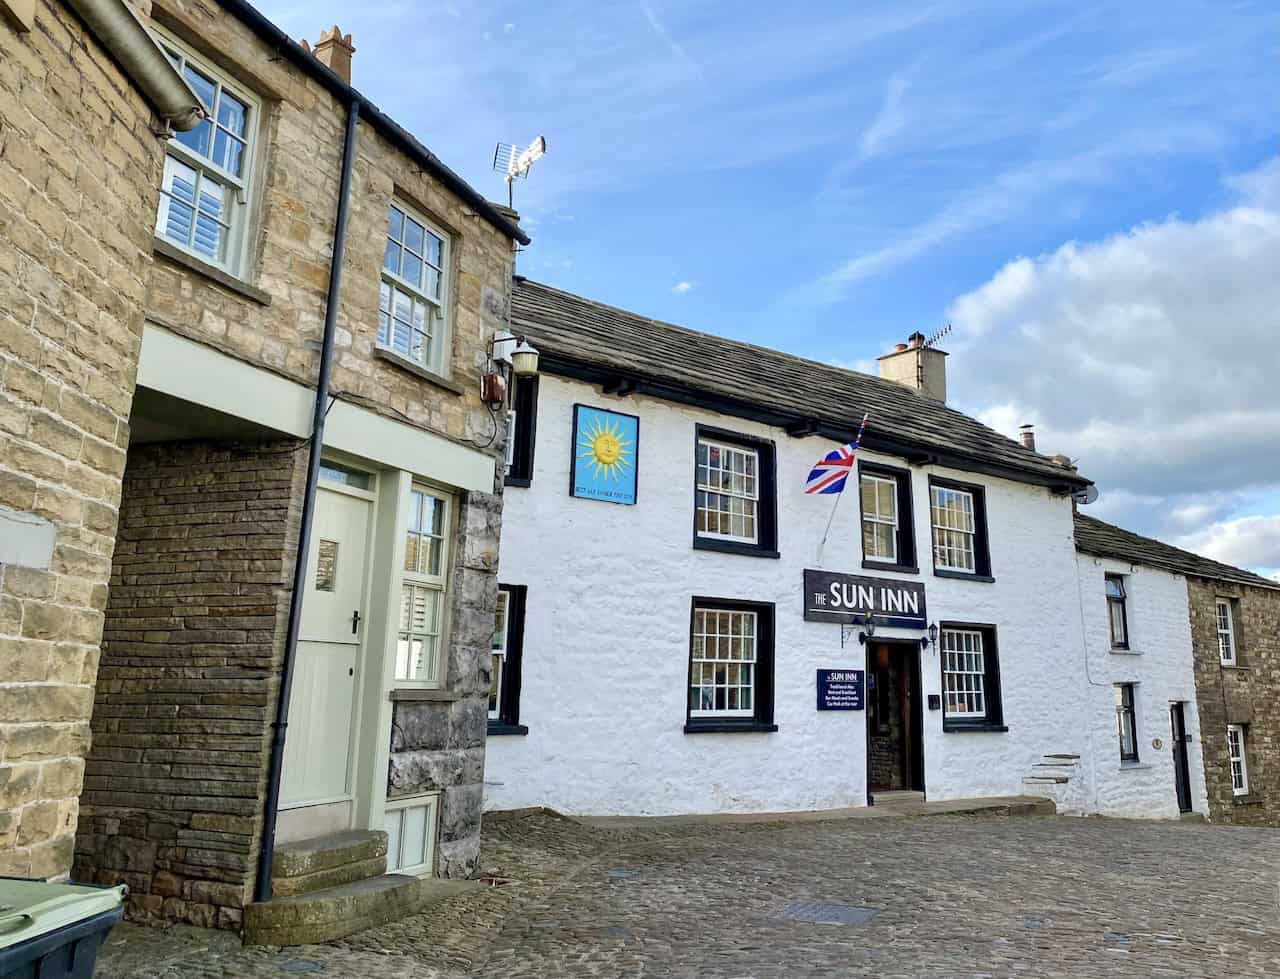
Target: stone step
1045	780
330	861
335	912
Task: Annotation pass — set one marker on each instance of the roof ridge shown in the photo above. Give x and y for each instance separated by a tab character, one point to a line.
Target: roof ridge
889	387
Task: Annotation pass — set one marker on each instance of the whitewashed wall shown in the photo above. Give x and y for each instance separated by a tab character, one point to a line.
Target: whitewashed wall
606	641
1159	664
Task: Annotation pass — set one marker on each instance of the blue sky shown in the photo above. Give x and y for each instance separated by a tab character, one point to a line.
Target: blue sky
1087	192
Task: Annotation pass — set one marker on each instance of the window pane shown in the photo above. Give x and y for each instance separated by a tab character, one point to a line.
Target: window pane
201	84
232	113
178	194
210	225
391	258
411	269
395	222
413	236
434	249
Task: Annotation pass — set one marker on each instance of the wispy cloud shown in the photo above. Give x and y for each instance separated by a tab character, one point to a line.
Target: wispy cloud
891	118
676	47
682	288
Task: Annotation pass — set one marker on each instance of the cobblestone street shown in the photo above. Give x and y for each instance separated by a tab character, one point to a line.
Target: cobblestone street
948	896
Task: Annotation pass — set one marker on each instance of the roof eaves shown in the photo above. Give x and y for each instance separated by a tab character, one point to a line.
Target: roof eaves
287	46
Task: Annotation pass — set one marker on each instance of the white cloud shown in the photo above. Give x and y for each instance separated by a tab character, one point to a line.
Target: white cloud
1151	356
683	288
508	28
891	118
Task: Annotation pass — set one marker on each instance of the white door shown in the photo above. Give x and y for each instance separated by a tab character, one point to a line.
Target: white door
317	750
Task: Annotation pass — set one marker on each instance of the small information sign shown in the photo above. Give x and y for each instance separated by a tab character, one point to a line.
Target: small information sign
841	689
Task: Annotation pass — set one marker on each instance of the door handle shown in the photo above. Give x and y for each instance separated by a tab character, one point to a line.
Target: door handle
355	621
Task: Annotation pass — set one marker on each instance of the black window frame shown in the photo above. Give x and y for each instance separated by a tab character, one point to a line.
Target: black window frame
1123	602
1130	710
981	543
766	450
762	721
524	402
508	719
908	562
993	696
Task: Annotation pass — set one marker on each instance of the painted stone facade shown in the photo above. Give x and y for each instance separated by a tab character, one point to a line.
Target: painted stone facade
606	641
79	173
1244	694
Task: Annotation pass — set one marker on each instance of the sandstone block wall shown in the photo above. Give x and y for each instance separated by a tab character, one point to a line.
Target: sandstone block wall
1245	694
195	627
79	178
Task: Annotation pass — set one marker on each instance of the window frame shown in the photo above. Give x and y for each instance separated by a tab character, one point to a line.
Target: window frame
440	361
1221	602
766	543
506	720
522	435
906	562
1127	692
992	718
1243	758
981	545
439	583
241	189
760	719
1123	603
425	800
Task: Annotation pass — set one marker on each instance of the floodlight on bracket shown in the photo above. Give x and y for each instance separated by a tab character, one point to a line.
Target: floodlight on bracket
513	162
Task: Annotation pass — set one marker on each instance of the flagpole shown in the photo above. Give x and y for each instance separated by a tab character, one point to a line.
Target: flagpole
857	442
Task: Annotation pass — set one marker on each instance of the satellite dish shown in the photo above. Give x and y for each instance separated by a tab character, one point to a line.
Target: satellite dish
1085	496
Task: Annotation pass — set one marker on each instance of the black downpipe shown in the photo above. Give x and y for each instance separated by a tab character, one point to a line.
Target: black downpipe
279	727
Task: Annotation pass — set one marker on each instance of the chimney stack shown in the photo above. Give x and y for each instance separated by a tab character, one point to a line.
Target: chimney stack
917	365
334	51
1027	436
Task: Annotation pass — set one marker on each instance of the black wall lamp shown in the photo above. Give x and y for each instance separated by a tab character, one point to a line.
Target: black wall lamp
930	640
868	626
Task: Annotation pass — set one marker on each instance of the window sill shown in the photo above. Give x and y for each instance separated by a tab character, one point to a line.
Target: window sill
523	482
1236	666
1247	800
502	729
962	575
959	727
424	693
886	566
404	363
225	279
732	547
1134	766
728	726
1125	651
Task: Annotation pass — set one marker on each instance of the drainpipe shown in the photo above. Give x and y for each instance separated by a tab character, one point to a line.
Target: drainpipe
279	727
131	45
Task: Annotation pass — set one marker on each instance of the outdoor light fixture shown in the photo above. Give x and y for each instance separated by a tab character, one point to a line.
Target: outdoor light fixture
870	630
524	359
930	640
508	355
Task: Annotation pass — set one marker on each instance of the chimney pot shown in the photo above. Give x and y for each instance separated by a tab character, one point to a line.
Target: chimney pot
899	347
915	340
334	51
1027	436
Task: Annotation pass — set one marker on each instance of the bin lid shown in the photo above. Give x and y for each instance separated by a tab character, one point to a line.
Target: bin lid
31	908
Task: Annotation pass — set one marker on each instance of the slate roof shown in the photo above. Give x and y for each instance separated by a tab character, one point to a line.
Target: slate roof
1093	536
580	337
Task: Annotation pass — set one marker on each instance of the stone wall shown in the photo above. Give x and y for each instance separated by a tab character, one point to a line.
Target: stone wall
195	627
79	176
1244	694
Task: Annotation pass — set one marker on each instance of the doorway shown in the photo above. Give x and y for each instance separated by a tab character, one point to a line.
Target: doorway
1181	766
317	780
895	724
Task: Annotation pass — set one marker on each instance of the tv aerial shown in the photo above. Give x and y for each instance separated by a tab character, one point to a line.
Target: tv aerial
933	340
513	162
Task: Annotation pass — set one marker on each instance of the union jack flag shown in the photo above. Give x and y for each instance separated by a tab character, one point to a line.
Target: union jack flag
832	471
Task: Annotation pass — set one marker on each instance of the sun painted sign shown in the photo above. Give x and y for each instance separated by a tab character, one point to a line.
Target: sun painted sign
830	596
605	446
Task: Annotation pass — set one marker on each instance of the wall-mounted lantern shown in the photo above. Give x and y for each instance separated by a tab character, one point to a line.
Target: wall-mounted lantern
509	356
930	640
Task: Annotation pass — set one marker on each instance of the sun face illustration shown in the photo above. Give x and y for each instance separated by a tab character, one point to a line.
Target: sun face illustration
603	448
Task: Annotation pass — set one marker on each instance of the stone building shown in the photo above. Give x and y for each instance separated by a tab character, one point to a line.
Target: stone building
1233	640
79	182
687	631
256	309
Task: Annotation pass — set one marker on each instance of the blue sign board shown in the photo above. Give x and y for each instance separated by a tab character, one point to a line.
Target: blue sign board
841	690
605	455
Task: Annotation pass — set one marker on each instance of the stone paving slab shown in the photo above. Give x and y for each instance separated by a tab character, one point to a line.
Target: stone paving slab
952	896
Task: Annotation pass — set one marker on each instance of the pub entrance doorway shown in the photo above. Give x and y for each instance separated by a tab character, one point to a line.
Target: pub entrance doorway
895	721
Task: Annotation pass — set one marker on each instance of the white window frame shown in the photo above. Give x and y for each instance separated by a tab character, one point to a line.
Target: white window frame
1237	755
697	662
436	359
970	535
1226	635
877	517
240	188
513	417
498	651
753	498
970	681
437	583
429	801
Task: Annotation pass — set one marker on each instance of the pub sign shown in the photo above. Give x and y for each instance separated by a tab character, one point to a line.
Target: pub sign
841	690
831	596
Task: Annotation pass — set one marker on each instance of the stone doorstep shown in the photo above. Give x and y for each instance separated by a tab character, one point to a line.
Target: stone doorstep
325	916
306	857
346	873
